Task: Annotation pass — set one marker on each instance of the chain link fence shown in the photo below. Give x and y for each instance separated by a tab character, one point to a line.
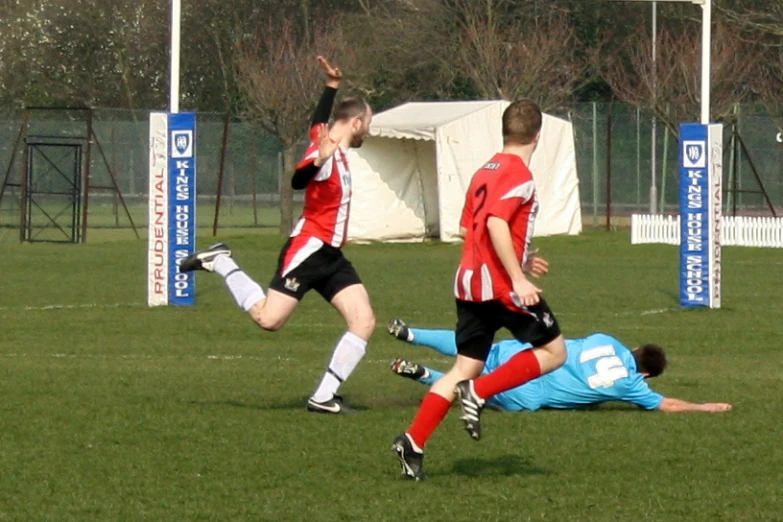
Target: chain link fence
619	175
614	143
115	160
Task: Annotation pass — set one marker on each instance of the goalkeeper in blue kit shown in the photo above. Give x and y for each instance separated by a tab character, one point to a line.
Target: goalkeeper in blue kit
599	368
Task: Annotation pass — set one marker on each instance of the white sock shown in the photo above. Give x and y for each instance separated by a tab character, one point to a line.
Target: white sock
246	292
349	351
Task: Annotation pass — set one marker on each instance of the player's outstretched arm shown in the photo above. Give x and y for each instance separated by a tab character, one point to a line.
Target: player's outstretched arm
671	405
309	167
308	170
333	78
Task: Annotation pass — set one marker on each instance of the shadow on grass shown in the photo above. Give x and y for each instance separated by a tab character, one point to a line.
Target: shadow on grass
293	404
504	466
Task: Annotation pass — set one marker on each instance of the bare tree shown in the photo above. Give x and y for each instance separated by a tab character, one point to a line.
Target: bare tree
506	49
769	85
671	86
280	79
518	57
765	17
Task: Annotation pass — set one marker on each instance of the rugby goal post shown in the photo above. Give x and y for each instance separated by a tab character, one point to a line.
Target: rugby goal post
701	178
706	49
172	191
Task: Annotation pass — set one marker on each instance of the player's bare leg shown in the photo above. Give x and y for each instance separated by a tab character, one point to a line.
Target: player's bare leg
353	303
270	312
273	312
518	370
552	355
464	368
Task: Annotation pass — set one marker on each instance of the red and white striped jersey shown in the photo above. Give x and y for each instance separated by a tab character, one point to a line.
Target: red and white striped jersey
327	198
503	187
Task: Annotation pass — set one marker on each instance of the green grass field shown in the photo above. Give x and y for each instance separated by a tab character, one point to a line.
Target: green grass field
112	411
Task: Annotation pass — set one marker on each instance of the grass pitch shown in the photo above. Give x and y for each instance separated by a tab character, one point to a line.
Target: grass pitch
112	411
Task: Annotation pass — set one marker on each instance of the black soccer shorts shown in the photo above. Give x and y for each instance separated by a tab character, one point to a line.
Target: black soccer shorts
326	271
477	324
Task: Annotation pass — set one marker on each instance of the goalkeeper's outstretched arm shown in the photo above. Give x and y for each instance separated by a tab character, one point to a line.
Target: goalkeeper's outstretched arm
671	405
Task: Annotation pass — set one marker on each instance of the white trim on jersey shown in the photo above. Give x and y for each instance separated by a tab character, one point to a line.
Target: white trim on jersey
487	292
298	228
467	281
531	225
326	170
309	248
524	191
341	219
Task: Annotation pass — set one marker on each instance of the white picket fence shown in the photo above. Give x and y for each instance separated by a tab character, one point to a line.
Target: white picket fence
764	232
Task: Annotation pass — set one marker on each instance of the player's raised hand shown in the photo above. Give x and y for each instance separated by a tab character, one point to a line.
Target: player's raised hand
326	145
535	265
334	74
716	407
525	293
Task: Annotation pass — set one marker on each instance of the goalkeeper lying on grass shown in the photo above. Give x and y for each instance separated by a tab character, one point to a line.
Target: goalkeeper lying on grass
599	368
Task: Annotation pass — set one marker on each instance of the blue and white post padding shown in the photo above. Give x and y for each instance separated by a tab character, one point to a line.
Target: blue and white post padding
172	208
701	174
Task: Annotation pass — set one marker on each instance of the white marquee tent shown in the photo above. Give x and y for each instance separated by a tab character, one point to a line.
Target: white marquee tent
410	177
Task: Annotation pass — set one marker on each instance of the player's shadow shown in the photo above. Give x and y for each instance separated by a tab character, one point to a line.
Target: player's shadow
293	404
503	466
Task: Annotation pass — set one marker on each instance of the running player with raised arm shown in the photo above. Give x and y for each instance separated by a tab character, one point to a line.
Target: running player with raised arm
599	368
312	258
492	291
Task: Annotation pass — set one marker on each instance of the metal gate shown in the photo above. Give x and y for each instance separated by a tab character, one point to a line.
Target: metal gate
52	192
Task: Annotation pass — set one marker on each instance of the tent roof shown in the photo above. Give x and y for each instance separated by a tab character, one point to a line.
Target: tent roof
420	120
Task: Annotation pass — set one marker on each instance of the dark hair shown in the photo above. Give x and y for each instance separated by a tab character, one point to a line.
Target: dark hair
350	108
521	122
650	359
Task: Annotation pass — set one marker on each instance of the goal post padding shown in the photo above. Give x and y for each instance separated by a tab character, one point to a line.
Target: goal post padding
172	208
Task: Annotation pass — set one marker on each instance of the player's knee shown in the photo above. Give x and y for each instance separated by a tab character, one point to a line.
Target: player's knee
268	323
560	357
363	323
558	353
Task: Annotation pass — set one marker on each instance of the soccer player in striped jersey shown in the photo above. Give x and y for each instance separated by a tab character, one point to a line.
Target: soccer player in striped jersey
312	258
492	291
599	368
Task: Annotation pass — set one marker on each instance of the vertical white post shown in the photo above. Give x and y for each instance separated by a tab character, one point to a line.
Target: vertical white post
653	145
176	14
706	60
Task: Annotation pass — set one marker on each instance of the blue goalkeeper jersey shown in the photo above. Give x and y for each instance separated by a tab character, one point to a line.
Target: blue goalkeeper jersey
599	368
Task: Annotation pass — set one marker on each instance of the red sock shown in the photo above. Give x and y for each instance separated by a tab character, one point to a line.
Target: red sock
518	370
432	411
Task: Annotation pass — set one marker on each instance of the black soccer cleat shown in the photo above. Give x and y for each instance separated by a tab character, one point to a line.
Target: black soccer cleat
471	405
400	330
408	369
334	406
411	461
204	259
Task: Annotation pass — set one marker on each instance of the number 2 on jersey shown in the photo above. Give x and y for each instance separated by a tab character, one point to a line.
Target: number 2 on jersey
481	196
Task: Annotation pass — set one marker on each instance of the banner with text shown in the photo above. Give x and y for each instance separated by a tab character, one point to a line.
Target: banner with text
172	208
701	173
